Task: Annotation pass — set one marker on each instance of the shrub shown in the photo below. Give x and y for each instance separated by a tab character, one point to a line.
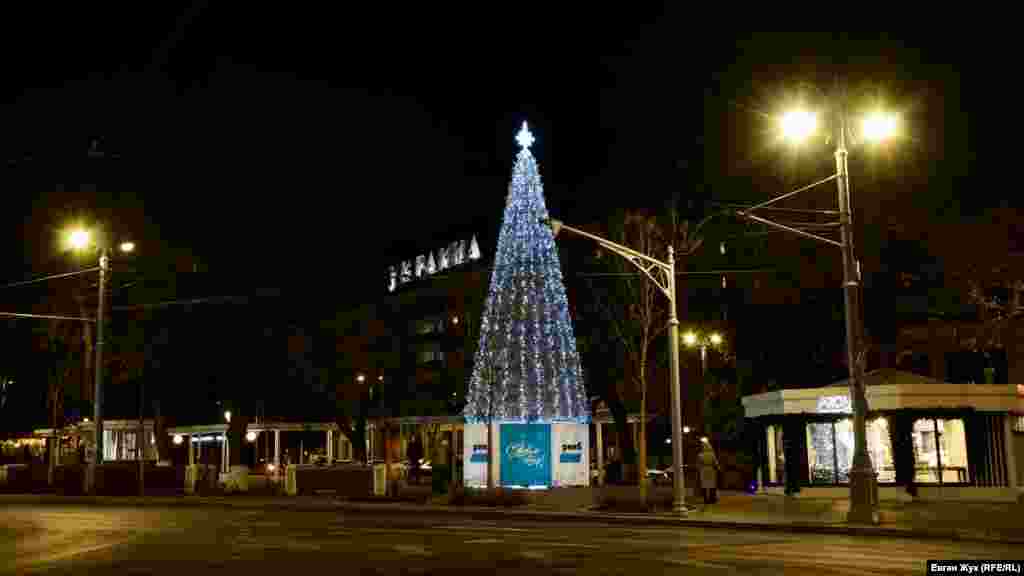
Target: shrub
498	497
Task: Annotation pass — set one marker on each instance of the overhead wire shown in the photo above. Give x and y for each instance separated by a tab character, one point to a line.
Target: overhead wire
51	277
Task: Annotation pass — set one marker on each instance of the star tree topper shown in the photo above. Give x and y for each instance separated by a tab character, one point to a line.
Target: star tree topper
525	138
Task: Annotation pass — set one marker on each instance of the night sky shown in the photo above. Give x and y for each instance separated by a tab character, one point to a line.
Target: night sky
301	153
318	148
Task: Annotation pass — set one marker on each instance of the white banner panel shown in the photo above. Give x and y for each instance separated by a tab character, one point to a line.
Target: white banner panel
474	455
570	454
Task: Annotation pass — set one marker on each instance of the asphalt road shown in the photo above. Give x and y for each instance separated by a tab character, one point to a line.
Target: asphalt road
190	541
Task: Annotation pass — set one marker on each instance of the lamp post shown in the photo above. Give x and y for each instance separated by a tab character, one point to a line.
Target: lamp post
798	125
81	239
664	277
702	341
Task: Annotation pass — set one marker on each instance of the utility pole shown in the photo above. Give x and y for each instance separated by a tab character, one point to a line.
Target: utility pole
863	482
98	394
862	474
663	274
140	447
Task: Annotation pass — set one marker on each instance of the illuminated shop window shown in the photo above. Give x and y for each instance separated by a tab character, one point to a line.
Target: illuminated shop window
940	451
776	456
830	448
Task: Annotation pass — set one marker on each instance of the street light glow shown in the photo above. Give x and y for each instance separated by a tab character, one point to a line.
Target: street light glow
227	415
79	238
127	246
250	436
360	378
716	338
178	439
797	125
690	338
879	126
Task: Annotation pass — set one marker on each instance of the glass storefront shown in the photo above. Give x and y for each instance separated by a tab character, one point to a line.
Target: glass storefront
830	448
940	451
776	456
880	449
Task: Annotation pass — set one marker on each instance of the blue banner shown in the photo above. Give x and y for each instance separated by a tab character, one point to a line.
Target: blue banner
525	455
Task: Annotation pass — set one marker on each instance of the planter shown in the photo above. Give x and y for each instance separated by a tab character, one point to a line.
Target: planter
236	480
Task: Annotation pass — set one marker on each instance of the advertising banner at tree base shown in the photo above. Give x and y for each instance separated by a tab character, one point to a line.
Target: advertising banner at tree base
570	450
525	455
474	456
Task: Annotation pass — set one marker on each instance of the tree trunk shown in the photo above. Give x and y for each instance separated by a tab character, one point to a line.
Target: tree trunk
355	431
163	442
642	460
236	438
624	439
386	434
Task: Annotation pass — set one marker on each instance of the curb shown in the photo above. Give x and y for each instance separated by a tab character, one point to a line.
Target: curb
505	513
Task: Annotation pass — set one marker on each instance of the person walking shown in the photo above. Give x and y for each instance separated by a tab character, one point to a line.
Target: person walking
708	472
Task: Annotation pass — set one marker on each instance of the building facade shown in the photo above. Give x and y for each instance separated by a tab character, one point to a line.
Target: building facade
942	440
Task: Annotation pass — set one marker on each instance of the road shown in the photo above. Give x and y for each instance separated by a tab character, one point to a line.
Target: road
57	540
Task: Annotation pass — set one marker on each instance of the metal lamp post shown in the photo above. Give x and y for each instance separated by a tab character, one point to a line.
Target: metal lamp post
702	341
80	239
664	277
798	125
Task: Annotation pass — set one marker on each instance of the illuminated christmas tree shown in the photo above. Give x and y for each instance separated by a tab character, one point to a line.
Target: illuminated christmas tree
526	331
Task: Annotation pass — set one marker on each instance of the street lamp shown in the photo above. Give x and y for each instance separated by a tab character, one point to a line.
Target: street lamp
80	239
663	274
796	126
703	341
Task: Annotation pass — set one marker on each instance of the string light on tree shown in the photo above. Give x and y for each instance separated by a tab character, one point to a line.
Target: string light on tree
526	316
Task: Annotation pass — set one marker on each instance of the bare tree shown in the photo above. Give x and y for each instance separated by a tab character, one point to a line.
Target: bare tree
634	308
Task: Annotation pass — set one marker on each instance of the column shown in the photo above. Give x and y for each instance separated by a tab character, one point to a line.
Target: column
191	451
224	452
1011	460
277	448
199	448
600	454
330	447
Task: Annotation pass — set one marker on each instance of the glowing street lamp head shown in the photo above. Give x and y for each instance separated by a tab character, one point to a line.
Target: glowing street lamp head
797	125
360	378
690	339
178	439
716	339
127	246
879	126
79	239
227	415
250	436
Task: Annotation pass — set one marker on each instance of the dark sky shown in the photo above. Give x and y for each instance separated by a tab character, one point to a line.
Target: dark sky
314	149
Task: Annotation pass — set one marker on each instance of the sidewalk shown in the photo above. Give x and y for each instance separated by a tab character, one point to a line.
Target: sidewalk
949	521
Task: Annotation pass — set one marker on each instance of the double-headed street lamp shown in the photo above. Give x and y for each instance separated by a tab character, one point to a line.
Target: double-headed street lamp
663	274
796	126
81	240
703	341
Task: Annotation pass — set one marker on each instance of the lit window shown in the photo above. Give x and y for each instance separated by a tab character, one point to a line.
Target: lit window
940	451
776	456
830	447
1018	424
